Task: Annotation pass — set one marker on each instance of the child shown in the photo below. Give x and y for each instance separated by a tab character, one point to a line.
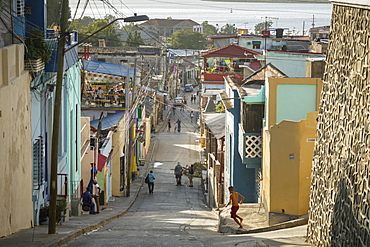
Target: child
234	197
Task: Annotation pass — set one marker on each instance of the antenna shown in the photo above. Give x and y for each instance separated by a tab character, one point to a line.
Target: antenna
313	21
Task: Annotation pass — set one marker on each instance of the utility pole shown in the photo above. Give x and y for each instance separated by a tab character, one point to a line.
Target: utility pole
56	120
127	134
58	101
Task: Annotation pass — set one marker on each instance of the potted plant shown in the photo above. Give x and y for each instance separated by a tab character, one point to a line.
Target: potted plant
37	52
44	214
60	212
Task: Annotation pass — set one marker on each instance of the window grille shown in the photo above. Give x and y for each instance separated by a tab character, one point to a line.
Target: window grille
20	7
253	146
38	162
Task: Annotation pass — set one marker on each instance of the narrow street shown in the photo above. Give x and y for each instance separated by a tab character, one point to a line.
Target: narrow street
172	215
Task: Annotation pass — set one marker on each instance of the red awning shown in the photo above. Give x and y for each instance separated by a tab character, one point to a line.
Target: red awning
101	162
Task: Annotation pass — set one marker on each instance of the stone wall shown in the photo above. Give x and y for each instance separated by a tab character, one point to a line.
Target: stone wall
339	213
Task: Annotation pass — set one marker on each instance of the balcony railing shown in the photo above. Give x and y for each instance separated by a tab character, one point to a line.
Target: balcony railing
62	185
91	99
252	153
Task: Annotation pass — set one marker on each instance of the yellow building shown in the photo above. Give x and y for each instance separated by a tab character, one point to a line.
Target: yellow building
288	143
15	136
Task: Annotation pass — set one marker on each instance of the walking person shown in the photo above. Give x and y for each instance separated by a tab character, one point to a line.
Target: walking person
190	175
191	116
178	125
151	178
178	174
234	198
168	125
174	110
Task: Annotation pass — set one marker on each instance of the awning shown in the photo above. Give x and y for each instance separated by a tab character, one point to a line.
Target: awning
108	68
108	121
216	123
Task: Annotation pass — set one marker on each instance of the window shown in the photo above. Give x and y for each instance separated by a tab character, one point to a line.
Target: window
256	44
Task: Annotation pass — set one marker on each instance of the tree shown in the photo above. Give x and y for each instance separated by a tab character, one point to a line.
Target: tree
130	27
80	25
87	25
208	29
53	8
220	107
187	39
229	29
262	26
134	40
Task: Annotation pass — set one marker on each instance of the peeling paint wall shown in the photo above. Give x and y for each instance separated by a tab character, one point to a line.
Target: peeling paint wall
15	138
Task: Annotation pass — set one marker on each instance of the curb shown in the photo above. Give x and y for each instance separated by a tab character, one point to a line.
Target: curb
104	221
283	225
279	226
97	225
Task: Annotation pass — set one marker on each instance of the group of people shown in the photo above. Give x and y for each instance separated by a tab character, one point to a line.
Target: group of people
90	198
193	99
178	171
177	126
115	94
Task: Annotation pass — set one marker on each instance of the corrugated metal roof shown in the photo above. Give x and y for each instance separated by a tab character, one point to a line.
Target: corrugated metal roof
216	123
108	121
108	68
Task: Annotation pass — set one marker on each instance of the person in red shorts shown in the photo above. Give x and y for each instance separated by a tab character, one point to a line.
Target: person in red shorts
234	197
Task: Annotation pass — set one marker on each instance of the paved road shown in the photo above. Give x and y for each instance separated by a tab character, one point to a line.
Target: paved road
174	215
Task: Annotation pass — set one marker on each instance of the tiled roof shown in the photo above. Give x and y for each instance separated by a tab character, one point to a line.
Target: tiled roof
258	77
231	51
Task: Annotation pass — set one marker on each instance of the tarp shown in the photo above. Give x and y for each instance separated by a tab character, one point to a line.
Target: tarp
102	159
108	68
108	121
216	123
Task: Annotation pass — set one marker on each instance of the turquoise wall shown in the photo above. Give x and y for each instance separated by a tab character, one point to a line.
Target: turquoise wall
295	101
72	84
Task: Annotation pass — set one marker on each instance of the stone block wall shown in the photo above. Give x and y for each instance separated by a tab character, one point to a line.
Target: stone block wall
339	213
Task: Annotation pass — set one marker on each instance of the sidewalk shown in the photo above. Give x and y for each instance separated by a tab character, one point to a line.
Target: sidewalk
255	221
76	226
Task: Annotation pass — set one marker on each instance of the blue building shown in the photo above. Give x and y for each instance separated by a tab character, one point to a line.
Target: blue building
42	109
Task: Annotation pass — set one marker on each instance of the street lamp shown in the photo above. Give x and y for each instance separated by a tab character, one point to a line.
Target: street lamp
134	18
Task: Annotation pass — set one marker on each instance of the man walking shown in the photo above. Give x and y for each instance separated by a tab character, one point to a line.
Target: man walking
178	125
234	198
178	174
151	178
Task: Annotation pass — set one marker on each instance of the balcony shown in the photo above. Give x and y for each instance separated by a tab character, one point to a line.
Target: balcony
93	99
252	150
